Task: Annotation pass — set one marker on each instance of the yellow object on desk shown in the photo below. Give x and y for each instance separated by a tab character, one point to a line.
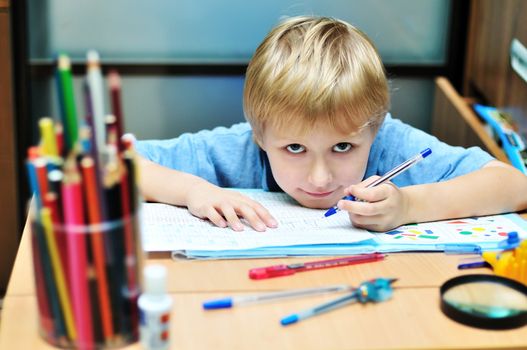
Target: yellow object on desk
510	263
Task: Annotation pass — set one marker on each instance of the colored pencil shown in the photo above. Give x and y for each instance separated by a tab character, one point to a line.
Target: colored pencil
33	183
59	136
46	317
129	244
73	219
42	175
58	272
49	284
89	117
112	192
49	142
67	99
51	201
111	130
91	274
55	177
114	82
91	194
95	86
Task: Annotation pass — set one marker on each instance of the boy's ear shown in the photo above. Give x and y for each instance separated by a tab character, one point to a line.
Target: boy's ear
258	141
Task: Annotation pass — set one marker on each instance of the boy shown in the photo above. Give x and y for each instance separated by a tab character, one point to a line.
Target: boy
316	100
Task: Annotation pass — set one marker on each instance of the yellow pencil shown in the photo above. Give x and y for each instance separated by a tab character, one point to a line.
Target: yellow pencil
58	272
47	134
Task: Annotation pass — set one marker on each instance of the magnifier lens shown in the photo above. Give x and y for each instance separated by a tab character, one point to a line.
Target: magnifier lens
485	301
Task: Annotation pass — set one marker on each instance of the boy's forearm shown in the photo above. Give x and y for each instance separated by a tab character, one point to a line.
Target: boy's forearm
490	190
161	184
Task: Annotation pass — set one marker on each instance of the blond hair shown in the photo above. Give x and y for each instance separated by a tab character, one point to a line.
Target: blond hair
311	69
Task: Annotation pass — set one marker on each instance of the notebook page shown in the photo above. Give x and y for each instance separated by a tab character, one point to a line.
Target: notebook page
169	228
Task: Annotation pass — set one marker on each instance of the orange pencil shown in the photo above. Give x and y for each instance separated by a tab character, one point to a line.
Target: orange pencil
94	216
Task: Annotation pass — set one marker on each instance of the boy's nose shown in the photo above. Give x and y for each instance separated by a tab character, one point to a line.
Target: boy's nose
320	174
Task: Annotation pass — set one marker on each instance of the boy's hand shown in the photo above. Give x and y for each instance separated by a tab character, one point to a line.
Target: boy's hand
378	208
225	208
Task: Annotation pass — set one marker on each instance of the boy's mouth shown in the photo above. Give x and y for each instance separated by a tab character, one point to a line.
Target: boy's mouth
318	194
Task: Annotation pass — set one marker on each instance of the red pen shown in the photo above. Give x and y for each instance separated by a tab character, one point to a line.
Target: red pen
285	270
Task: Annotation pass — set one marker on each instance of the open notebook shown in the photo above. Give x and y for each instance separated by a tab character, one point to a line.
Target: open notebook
304	232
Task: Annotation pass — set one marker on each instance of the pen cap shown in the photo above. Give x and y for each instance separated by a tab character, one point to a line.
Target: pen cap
155	278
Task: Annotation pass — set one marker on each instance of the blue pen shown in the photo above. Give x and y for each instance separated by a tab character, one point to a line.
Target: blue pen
376	290
461	248
389	175
473	265
225	303
511	242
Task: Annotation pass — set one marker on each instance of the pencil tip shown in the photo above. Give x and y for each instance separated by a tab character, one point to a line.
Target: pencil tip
92	56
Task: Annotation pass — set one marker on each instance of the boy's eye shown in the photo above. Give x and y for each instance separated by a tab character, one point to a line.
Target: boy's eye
295	148
342	147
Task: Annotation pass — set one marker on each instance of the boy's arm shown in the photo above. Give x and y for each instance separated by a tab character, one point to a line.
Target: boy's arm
203	199
495	188
161	184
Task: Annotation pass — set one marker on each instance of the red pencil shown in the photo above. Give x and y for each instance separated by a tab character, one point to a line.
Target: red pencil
40	164
285	270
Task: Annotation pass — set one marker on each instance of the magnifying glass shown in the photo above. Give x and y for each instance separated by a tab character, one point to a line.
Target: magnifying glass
485	301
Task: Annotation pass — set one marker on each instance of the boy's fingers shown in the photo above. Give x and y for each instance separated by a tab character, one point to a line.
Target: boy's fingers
373	223
362	184
366	209
249	214
372	194
216	218
232	218
264	214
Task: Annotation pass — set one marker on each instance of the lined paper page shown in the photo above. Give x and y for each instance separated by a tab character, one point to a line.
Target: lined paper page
169	228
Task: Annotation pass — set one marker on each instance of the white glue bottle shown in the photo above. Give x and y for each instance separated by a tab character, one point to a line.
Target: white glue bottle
155	306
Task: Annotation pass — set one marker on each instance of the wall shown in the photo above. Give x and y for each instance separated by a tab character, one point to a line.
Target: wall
186	33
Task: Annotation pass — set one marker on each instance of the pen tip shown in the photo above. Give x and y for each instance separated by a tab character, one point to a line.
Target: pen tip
289	320
426	152
330	212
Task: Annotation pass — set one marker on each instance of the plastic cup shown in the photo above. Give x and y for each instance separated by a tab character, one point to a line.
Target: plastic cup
87	280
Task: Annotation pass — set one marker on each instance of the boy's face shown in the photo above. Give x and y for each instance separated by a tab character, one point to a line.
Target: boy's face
315	168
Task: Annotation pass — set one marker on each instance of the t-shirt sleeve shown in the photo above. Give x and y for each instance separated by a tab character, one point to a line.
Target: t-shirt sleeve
226	157
396	142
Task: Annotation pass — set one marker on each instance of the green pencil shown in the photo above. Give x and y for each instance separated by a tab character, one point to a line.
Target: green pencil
68	100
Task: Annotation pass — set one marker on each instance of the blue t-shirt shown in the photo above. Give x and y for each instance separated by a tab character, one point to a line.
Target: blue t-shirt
228	157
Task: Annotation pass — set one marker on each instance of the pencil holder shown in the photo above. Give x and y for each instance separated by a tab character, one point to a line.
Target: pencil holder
86	278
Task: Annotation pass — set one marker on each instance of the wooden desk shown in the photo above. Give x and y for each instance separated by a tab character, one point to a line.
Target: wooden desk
410	320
